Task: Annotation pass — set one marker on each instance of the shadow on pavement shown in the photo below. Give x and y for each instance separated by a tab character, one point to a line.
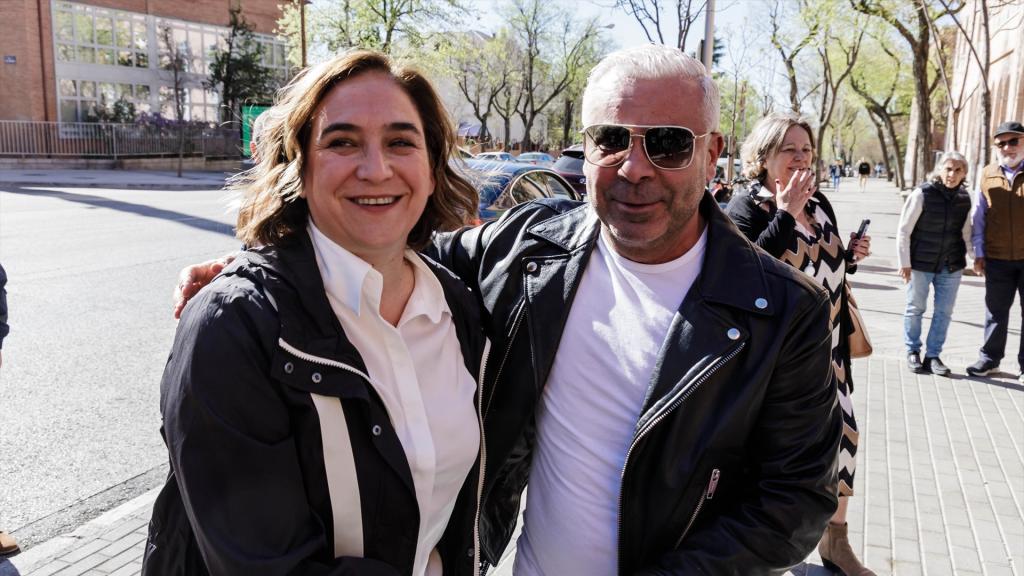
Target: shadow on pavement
140	209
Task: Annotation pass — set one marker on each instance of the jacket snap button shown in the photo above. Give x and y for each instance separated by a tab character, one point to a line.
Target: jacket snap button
316	377
733	334
761	303
376	429
289	368
531	267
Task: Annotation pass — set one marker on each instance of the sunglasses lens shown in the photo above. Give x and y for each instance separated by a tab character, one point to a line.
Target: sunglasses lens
669	147
608	145
1010	142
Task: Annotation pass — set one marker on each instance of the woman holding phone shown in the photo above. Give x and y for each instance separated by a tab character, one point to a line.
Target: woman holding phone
783	213
319	402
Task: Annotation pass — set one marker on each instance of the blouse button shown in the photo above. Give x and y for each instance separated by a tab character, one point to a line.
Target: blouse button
289	368
376	429
316	377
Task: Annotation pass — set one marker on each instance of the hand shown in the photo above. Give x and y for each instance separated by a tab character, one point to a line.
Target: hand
860	247
194	277
794	196
905	274
979	266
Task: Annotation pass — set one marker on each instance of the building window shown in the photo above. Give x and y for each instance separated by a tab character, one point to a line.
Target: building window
92	35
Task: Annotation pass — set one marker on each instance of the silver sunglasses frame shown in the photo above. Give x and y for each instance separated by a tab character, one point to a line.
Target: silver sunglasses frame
633	134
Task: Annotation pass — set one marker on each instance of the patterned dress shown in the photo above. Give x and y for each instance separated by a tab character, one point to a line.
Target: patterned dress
819	252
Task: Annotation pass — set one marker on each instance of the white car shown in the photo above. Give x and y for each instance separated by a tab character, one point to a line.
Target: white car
536	158
499	156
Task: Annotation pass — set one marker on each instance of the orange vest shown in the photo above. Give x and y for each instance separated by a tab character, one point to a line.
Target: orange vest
1004	220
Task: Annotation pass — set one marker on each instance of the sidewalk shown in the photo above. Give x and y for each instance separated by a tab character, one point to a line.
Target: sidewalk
145	179
940	465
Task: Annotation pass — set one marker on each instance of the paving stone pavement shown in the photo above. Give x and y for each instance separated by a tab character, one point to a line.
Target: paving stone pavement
940	479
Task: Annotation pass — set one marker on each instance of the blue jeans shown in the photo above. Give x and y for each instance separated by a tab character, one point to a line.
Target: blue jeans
1004	279
946	286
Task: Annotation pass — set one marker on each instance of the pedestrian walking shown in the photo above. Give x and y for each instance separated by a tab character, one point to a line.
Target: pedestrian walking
998	239
878	169
863	171
783	213
8	545
932	242
319	401
680	388
835	170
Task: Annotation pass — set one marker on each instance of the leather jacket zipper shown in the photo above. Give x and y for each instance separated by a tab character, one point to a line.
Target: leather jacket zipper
708	494
654	422
483	411
483	457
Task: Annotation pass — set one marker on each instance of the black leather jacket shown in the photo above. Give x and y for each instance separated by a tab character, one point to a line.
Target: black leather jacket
732	467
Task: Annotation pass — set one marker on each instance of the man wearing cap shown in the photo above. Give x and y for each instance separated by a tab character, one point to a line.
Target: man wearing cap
999	244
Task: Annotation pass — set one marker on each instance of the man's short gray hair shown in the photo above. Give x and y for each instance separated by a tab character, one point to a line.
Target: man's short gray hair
655	62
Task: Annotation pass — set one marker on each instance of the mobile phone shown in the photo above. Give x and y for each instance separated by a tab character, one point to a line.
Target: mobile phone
863	228
860	234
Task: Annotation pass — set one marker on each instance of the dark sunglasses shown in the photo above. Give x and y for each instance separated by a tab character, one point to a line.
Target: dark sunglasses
667	147
1005	143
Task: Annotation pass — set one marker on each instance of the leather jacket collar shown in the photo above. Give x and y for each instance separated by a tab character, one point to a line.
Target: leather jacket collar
728	255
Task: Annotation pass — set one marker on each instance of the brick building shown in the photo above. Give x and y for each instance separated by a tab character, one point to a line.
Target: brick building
61	59
1005	77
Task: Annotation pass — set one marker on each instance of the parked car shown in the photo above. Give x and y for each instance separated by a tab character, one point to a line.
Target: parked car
570	166
499	156
502	185
536	158
463	153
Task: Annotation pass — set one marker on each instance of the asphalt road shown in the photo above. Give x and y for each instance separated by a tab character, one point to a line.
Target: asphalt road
90	273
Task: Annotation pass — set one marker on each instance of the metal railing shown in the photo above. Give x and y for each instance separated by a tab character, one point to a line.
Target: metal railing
93	140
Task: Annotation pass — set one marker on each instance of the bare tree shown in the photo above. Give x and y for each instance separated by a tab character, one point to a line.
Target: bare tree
648	13
789	51
835	73
913	25
174	61
880	110
540	28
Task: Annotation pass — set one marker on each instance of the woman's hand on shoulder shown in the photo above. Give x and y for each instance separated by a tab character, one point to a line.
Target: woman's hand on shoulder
794	196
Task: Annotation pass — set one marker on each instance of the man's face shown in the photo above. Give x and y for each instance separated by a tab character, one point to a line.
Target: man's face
1010	149
649	214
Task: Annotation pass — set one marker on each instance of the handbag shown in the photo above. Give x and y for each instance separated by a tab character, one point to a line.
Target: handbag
857	339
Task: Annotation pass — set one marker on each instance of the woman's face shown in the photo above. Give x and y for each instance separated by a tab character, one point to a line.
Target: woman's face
367	175
795	153
953	173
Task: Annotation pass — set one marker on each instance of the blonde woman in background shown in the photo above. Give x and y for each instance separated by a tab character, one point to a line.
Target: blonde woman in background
782	212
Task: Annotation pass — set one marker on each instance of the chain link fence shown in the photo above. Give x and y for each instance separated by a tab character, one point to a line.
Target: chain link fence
93	140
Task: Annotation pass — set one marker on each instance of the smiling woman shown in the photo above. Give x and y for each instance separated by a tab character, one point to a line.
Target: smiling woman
317	399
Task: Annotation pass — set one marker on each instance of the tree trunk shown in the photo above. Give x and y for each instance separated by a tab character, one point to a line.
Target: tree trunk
901	181
986	94
794	95
181	146
921	130
881	141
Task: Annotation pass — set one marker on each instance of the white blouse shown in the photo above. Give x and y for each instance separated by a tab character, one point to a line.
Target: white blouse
417	369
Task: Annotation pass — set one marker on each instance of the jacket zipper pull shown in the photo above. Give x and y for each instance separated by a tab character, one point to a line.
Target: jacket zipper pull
713	484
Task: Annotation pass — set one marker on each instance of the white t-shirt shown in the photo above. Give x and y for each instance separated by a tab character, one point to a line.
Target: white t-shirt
418	370
590	406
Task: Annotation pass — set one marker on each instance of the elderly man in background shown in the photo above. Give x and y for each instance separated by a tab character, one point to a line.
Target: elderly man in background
998	239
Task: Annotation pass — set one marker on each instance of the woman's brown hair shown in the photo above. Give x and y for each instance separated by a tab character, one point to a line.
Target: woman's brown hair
272	208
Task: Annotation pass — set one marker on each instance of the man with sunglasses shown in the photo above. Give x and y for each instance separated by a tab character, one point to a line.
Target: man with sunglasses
998	239
664	386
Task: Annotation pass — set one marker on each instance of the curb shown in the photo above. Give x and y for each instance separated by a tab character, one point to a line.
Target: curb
29	559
